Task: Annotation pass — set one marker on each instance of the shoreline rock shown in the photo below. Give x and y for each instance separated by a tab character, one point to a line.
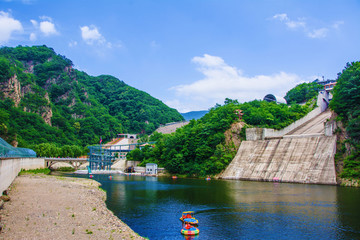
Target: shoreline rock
52	207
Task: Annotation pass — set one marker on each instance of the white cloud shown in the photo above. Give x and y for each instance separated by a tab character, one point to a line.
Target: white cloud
303	25
73	44
48	28
318	33
46	18
283	17
33	37
337	24
34	23
8	25
295	24
224	81
91	35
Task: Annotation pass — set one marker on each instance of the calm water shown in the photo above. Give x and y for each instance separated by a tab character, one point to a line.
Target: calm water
234	209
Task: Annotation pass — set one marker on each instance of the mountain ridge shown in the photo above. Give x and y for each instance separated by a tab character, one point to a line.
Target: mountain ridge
76	106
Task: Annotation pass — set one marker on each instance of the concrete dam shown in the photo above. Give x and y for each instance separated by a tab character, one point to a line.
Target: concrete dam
305	154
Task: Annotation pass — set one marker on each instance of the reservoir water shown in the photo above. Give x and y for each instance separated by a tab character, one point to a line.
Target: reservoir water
152	207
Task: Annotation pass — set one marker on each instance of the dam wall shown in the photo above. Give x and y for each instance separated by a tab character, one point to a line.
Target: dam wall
10	168
296	160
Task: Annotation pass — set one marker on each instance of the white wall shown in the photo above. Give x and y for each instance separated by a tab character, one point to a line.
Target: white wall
10	168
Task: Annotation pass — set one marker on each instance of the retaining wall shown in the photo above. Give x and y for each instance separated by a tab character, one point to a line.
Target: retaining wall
299	160
10	168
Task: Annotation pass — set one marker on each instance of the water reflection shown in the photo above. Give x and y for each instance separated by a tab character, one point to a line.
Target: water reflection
234	209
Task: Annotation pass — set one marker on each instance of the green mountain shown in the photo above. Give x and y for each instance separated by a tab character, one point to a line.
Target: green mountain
43	99
207	145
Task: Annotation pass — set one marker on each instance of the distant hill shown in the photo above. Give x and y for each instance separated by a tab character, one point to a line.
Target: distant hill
194	115
43	99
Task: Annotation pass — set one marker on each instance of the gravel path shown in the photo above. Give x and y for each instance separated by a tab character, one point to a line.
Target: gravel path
50	207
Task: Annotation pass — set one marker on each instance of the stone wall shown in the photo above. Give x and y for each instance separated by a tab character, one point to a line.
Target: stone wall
10	168
298	160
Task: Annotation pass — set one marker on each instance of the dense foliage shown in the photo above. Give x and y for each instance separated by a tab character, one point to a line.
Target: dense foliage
303	92
199	148
82	108
346	103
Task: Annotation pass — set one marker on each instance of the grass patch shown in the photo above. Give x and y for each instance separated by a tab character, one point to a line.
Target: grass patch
351	168
35	171
65	169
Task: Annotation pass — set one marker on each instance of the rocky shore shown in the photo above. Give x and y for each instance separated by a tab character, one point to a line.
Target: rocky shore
51	207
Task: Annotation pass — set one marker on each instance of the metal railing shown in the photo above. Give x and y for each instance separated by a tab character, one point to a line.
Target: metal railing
8	151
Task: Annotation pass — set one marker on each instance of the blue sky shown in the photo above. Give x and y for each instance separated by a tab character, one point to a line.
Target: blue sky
192	54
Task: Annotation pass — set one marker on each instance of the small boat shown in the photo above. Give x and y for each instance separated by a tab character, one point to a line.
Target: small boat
188	216
189	229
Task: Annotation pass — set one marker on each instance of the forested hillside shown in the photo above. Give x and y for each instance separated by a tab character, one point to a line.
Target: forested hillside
44	99
303	92
202	147
346	103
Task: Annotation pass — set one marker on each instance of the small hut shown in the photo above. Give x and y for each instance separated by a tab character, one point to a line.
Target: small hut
151	168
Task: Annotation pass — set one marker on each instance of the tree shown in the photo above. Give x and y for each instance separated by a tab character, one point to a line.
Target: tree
346	92
302	92
345	102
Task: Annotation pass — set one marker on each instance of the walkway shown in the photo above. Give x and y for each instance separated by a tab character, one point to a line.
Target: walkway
315	125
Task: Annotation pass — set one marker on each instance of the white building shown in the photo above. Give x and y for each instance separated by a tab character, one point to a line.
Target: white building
151	168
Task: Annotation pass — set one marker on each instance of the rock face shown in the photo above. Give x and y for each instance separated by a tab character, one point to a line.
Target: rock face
12	89
232	135
47	111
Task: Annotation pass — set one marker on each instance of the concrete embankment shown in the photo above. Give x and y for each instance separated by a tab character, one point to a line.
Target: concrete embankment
302	152
298	159
10	168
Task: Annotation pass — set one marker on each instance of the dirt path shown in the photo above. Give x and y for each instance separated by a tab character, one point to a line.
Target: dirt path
50	207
